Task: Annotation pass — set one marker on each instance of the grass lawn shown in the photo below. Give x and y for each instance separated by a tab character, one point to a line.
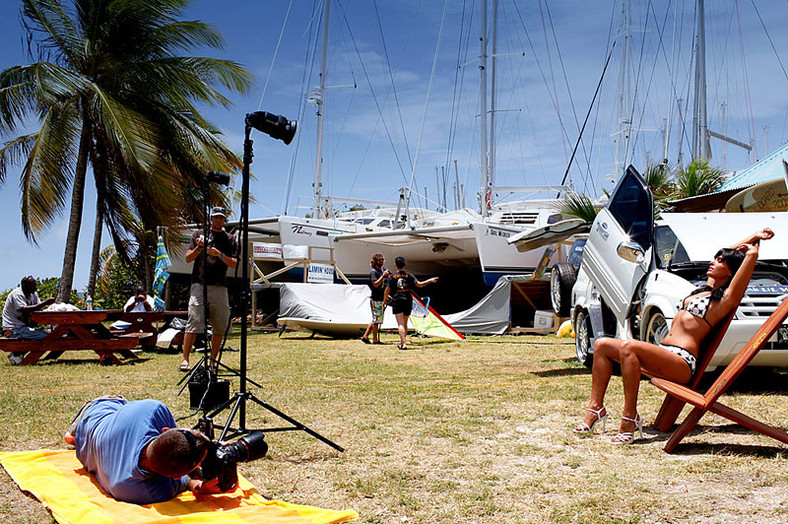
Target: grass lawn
449	433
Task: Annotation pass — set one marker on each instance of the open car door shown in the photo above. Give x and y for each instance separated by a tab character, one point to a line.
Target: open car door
627	218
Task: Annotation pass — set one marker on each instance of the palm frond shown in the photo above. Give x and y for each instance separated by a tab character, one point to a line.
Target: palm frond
577	205
48	171
699	178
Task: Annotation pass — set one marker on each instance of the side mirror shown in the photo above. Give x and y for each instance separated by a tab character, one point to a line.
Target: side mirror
631	252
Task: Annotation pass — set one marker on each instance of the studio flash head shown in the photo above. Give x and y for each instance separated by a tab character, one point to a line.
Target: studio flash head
217	177
275	126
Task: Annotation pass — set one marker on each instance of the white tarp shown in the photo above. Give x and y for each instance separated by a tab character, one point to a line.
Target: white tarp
490	316
343	304
336	303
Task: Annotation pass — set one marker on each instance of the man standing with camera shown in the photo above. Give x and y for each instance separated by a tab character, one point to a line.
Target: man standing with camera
215	254
136	452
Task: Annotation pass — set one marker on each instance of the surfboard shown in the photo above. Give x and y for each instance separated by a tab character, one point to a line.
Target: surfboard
543	236
766	196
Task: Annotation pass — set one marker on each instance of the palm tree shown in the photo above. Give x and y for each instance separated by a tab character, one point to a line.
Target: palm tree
577	205
699	178
660	178
113	92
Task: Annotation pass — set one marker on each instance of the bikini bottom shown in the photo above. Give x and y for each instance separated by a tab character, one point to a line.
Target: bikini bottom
688	357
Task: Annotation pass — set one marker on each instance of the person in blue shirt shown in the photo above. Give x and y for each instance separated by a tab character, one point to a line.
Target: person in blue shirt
136	451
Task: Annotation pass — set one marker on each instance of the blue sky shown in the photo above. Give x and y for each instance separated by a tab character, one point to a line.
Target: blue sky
551	59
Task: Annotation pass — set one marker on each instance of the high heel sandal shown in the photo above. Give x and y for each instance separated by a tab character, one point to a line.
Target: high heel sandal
601	415
628	437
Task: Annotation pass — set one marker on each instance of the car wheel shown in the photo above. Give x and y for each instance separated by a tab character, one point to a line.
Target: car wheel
656	328
583	346
562	279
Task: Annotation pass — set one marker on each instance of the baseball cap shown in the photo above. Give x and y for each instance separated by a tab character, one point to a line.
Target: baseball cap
219	212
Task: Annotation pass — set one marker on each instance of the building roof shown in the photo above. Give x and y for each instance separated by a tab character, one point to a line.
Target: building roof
768	168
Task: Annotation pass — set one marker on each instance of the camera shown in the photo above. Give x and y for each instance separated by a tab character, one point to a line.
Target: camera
221	460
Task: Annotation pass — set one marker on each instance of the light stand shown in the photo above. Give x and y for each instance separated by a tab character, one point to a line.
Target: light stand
204	364
282	129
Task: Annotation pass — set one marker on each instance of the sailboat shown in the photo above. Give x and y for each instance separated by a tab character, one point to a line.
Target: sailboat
463	239
283	239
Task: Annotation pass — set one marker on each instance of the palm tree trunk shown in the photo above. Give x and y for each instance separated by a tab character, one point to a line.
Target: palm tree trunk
75	219
94	260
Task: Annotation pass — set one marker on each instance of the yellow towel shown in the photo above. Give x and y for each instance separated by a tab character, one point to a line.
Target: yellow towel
57	479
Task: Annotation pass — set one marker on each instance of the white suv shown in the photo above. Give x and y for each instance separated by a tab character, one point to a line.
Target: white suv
635	270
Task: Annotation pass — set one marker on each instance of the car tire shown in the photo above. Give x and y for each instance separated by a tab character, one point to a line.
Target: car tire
562	279
656	328
583	348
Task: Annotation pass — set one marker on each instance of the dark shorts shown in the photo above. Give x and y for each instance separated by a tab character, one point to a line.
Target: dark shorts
402	306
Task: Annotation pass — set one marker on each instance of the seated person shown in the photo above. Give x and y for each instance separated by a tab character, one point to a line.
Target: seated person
675	358
136	452
138	303
19	303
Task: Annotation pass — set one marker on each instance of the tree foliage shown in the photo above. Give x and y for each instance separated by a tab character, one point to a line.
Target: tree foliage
114	89
577	205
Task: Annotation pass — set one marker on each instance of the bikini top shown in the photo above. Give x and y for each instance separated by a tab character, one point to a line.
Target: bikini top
697	306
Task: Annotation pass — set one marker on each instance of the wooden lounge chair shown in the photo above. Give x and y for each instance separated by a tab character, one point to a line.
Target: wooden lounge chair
672	406
710	402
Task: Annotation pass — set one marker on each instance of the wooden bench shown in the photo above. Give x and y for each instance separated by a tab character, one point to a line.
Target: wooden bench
710	400
73	330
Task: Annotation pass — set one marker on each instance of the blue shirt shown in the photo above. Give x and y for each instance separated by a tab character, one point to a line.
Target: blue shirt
109	439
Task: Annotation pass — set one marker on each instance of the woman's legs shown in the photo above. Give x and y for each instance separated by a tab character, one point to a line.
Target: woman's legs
633	355
402	327
605	351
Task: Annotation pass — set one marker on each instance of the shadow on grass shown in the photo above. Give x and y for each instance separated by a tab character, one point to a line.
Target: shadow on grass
562	372
700	448
83	361
730	450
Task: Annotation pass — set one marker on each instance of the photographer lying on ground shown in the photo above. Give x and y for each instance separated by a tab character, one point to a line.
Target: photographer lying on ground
136	452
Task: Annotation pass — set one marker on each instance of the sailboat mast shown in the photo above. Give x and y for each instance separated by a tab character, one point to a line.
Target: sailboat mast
484	192
317	186
624	89
701	132
491	162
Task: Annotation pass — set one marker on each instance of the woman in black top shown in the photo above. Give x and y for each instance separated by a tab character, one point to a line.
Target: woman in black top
399	288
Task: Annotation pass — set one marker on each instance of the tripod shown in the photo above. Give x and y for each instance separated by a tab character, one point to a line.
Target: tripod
204	365
277	127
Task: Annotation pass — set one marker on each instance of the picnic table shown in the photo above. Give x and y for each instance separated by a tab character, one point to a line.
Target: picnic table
81	330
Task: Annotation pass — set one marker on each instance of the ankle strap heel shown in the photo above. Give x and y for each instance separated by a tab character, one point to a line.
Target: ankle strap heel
601	415
628	437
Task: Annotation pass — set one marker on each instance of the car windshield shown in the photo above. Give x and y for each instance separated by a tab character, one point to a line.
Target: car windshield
667	247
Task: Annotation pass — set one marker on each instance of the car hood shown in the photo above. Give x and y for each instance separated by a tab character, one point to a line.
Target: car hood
702	234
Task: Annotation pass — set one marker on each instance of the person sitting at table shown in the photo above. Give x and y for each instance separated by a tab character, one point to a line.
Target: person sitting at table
138	303
136	451
19	303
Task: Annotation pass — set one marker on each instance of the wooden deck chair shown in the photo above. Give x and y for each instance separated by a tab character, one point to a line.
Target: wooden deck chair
672	406
709	401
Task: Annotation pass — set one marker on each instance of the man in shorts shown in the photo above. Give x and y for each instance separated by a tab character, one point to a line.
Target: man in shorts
216	253
377	277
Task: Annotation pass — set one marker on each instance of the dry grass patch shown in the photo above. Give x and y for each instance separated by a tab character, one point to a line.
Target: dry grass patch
446	433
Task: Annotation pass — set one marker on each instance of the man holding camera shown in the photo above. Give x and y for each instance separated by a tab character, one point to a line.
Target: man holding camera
136	452
140	302
215	254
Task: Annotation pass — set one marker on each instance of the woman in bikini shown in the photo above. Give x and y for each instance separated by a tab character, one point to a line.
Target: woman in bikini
675	358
